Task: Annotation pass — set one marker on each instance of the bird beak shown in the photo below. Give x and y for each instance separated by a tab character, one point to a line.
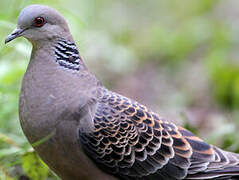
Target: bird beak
16	33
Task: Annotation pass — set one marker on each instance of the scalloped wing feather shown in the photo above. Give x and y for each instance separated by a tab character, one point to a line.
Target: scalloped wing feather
132	142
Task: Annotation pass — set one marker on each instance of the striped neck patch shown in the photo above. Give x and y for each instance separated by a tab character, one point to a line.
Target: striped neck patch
67	55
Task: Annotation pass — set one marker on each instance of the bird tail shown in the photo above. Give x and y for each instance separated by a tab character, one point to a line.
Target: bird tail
225	166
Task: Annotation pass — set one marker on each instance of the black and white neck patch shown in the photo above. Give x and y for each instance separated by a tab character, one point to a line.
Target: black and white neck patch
67	55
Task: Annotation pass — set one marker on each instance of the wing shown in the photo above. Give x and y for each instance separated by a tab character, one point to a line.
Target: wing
132	142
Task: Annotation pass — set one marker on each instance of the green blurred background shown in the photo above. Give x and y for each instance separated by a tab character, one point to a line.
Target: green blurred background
180	58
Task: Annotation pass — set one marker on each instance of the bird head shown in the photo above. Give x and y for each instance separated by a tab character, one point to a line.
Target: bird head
39	23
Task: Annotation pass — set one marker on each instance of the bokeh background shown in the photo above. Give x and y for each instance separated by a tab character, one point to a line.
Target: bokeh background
180	58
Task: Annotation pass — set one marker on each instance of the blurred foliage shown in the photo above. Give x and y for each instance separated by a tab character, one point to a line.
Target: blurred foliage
34	166
120	40
226	85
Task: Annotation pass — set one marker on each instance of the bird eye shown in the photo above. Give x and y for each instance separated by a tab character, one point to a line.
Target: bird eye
39	22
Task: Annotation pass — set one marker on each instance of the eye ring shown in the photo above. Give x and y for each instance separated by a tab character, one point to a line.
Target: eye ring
39	21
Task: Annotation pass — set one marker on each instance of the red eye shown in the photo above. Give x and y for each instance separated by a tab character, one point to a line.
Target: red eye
39	21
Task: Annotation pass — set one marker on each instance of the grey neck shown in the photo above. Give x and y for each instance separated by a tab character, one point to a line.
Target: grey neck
58	65
63	54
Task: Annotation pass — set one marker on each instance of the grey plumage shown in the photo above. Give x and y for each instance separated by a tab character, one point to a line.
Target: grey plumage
95	133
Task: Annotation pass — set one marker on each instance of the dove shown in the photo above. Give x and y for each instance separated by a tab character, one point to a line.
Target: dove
93	133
